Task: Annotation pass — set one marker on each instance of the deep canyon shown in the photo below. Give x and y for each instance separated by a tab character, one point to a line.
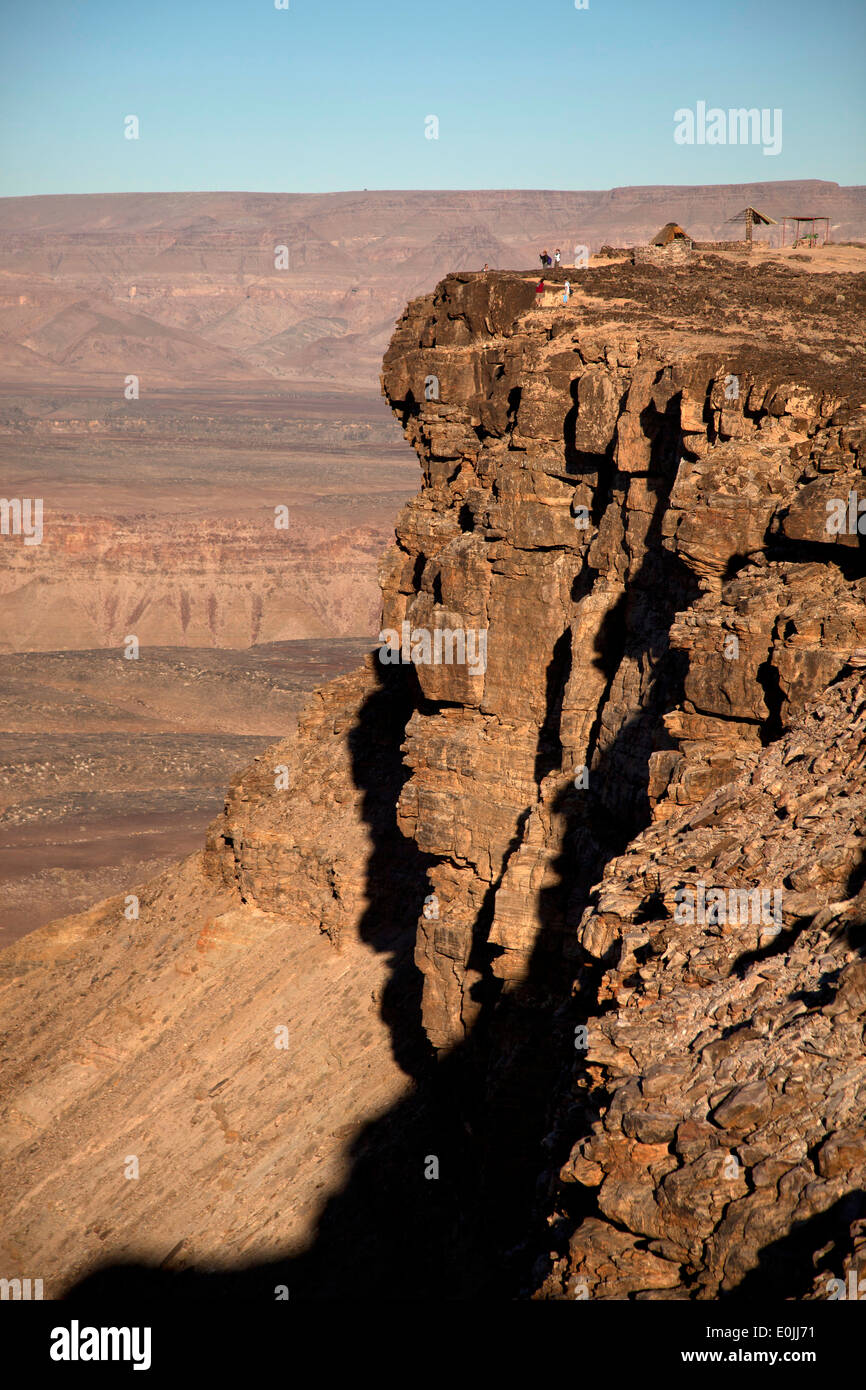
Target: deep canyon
454	929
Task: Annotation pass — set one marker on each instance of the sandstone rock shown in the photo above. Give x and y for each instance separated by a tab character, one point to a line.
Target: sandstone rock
625	852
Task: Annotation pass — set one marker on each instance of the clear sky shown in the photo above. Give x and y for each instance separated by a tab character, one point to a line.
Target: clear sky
334	94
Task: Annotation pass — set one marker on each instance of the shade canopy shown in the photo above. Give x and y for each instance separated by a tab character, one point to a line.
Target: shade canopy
759	218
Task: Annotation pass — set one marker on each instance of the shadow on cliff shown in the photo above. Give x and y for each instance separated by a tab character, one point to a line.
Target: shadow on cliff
447	1192
396	871
787	1268
442	1187
605	806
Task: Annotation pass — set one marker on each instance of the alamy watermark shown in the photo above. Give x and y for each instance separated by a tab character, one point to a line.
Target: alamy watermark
739	907
844	515
854	1291
77	1343
22	516
736	126
443	646
21	1289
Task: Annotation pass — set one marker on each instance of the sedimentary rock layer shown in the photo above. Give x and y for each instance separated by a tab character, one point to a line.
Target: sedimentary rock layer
636	519
626	496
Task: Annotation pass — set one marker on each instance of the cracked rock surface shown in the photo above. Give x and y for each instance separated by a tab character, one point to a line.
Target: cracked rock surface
627	498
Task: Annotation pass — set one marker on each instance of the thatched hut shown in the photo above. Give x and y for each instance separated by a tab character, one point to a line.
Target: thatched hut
669	233
670	246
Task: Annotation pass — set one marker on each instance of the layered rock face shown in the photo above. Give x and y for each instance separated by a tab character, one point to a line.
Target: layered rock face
644	526
660	537
605	779
211	583
638	525
161	517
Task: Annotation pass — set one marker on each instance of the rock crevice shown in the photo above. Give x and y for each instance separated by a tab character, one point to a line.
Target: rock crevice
635	516
601	809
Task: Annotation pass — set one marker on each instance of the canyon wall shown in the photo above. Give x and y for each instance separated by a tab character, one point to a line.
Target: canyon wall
197	519
174	580
624	507
631	501
650	562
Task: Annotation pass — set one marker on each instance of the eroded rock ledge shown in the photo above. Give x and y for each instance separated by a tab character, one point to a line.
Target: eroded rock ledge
628	496
701	472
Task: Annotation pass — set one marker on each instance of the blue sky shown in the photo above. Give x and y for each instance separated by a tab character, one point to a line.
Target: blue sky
327	96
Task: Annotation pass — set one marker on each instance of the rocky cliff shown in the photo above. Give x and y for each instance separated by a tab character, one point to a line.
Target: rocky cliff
607	790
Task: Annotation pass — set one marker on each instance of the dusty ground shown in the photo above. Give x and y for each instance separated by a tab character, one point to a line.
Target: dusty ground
820	259
110	770
159	522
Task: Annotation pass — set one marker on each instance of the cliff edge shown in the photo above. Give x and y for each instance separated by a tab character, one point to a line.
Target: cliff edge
568	879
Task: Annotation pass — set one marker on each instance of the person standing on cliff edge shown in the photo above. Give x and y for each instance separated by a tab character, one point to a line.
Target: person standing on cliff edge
557	258
539	292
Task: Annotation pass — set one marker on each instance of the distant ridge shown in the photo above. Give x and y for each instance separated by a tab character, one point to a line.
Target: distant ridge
186	285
